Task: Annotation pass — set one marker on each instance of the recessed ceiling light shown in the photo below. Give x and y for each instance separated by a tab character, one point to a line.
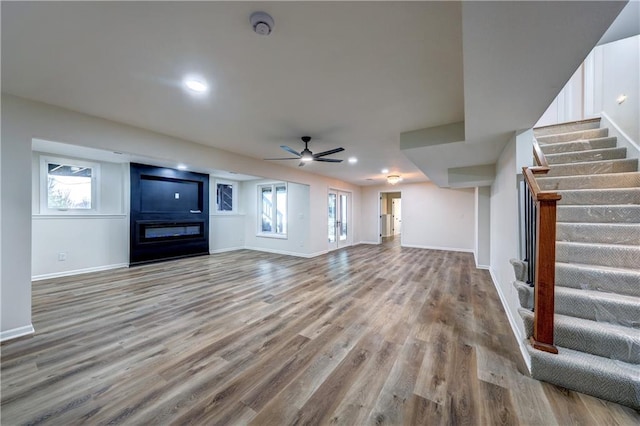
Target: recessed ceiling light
182	167
384	171
196	85
353	160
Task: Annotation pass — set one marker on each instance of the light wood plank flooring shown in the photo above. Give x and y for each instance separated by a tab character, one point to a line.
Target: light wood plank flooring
362	336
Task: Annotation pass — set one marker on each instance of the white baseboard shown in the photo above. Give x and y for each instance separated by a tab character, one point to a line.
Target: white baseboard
438	248
633	150
485	267
367	242
78	271
288	253
512	322
223	250
16	332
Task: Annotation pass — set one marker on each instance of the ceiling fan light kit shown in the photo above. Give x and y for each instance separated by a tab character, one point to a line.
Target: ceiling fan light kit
306	156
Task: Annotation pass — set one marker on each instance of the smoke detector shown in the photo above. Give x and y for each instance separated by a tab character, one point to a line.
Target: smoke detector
261	22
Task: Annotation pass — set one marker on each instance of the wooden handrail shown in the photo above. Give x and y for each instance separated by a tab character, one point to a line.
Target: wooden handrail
545	254
541	160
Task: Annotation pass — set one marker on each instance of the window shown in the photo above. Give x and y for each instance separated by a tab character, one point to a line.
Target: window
68	185
225	197
272	209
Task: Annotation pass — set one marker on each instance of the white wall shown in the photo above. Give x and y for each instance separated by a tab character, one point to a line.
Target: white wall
568	104
482	250
609	71
93	241
226	230
89	242
23	120
432	217
621	75
504	238
15	282
297	241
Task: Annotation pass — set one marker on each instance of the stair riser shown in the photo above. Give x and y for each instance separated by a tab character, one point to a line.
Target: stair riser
599	280
566	128
591	155
599	233
599	214
573	136
621	388
612	346
581	145
600	197
599	167
581	304
615	180
612	256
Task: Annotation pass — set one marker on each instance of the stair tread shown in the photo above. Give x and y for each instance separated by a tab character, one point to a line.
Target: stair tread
586	190
580	140
595	162
573	135
607	246
585	152
552	145
587	122
621	225
613	269
600	175
587	324
596	362
602	377
582	293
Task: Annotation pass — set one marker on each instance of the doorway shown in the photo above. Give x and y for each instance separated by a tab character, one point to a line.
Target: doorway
339	209
390	218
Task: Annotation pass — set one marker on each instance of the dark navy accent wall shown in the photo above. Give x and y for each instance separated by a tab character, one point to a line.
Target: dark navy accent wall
169	213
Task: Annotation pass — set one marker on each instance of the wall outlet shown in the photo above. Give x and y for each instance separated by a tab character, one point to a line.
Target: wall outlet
62	256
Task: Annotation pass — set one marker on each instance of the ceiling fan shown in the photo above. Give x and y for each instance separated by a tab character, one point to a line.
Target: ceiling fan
306	156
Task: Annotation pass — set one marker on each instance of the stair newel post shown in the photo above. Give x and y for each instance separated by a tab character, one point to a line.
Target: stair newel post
541	230
544	289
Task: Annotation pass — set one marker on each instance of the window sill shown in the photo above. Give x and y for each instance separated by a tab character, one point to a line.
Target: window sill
276	236
79	216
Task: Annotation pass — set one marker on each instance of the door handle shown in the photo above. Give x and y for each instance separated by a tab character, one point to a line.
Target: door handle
195	211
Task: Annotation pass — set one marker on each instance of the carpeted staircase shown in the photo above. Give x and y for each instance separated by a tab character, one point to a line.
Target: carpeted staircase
597	304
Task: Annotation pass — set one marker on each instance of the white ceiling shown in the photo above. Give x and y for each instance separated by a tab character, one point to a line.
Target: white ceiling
350	74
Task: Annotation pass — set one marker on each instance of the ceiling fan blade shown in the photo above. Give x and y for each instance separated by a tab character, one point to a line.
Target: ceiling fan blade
290	150
328	160
331	151
287	158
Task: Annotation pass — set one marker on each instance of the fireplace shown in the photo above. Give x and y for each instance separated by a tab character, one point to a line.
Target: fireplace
169	214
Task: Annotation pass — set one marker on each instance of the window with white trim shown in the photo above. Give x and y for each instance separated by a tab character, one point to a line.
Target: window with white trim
68	185
272	209
225	197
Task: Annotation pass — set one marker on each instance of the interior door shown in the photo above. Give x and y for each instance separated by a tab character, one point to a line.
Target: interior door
339	217
397	215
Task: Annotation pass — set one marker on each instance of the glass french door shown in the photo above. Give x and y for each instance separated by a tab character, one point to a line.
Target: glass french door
338	223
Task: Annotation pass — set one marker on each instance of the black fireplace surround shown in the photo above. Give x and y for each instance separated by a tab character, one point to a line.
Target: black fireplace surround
169	214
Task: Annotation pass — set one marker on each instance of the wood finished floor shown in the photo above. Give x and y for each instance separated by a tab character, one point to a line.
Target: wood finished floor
364	335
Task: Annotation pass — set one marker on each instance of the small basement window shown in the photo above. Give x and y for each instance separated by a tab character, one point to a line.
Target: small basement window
225	197
68	185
